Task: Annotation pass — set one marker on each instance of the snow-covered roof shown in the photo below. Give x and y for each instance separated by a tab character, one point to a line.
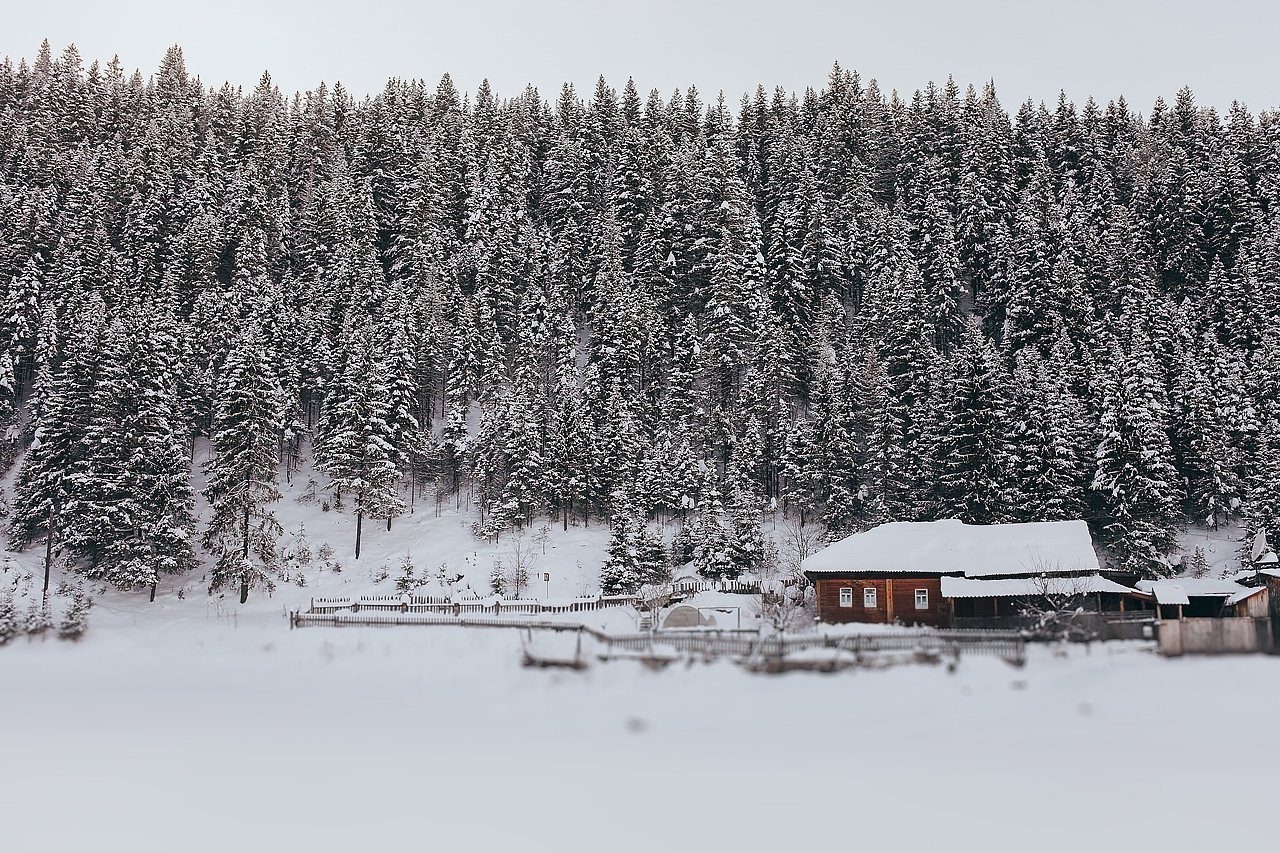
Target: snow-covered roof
955	548
1170	593
1182	590
1026	587
1247	592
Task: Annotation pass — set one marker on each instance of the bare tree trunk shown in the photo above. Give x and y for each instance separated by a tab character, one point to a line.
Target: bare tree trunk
48	553
244	550
359	526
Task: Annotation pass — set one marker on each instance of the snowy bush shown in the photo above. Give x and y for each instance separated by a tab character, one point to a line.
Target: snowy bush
38	619
8	619
406	581
498	578
1197	564
75	619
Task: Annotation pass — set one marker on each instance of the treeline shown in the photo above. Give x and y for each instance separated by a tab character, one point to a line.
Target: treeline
845	306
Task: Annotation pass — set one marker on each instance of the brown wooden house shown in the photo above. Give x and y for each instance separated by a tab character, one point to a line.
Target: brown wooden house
894	572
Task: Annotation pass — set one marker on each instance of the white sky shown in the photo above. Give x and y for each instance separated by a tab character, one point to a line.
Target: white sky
1223	49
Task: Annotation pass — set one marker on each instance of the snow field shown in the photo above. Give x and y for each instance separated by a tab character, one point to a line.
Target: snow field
214	734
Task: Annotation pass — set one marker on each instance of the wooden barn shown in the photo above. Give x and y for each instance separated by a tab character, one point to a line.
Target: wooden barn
895	572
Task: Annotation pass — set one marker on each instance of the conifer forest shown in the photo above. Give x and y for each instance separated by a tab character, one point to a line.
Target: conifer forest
676	315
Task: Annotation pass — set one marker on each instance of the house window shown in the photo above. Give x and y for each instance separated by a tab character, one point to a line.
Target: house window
846	596
869	597
922	599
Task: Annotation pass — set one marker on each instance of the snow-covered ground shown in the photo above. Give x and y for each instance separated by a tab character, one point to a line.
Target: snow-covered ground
190	733
194	724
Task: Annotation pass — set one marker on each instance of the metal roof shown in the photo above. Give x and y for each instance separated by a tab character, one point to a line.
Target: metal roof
1182	590
1028	587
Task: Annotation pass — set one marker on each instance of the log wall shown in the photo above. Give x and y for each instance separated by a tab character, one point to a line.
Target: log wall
895	600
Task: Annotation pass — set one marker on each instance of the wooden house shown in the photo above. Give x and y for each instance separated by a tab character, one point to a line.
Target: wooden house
896	572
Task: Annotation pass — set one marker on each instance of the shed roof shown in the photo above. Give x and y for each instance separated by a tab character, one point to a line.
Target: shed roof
1182	590
952	547
1247	592
1027	587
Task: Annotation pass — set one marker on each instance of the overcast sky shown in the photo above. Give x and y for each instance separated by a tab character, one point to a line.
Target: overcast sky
1224	49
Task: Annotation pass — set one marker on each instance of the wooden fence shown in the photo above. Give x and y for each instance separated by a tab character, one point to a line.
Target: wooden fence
491	606
406	603
1232	634
1008	645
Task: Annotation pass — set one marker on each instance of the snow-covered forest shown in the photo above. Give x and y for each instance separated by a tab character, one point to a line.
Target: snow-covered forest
844	306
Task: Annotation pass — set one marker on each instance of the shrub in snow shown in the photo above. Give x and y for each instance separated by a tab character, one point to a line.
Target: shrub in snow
8	619
75	619
301	579
406	581
38	619
303	548
383	572
1197	564
498	579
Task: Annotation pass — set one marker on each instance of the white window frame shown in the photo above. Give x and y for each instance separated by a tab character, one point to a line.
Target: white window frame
846	596
868	598
922	599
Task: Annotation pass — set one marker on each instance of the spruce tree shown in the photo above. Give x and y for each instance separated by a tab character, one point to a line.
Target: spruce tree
1134	475
356	445
242	468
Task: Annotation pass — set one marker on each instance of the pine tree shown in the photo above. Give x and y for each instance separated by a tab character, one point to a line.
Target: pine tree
241	470
1049	431
974	453
1209	461
136	519
1135	476
356	446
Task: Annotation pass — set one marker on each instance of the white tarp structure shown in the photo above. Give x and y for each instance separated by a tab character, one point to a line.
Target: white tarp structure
953	547
1028	587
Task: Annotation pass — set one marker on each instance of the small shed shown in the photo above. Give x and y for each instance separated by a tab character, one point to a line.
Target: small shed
1207	598
1212	616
